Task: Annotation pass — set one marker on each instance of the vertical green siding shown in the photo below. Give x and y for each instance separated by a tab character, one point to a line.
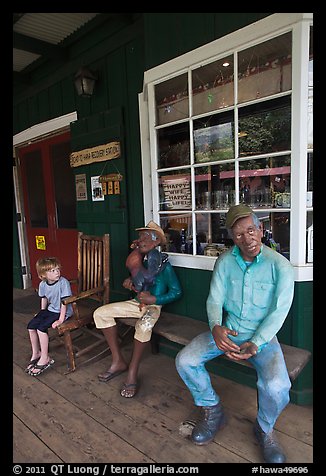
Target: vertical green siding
168	35
111	215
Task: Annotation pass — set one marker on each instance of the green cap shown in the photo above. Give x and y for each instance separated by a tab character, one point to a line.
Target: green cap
236	212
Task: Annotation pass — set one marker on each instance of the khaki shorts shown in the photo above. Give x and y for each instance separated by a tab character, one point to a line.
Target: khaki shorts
105	316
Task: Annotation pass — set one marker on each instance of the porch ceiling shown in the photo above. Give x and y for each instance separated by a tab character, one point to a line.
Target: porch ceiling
41	37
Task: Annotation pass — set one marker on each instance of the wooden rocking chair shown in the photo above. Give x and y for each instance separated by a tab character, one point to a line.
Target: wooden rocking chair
93	291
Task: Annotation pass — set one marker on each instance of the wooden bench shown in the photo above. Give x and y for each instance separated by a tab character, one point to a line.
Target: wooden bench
182	329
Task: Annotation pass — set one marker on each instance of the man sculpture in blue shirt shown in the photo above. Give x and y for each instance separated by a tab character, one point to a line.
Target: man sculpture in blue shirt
252	287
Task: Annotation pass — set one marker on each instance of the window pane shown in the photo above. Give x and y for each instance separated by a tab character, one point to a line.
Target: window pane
212	86
214	138
178	231
172	103
173	144
35	189
276	231
212	233
64	185
175	190
265	127
265	182
215	186
265	69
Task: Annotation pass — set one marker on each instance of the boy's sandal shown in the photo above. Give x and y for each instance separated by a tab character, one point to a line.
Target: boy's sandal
31	365
40	368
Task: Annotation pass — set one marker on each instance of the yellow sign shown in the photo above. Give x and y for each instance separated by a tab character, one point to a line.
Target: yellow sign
40	242
111	183
111	177
99	153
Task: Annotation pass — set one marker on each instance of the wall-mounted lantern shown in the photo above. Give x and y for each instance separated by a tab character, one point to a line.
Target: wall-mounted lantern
85	82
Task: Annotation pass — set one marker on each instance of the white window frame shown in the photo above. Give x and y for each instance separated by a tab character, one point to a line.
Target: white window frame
263	30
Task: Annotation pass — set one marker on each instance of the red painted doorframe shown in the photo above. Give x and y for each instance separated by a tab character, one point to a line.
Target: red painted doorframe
45	235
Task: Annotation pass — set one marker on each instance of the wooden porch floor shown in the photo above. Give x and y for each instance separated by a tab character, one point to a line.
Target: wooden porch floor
73	418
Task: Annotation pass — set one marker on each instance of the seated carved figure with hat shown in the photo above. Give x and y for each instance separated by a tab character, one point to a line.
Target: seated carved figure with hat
155	283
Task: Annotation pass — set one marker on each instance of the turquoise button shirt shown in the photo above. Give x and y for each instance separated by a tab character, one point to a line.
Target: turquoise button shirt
166	286
256	298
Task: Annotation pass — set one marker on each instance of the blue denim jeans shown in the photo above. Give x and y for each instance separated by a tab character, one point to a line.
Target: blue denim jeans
273	383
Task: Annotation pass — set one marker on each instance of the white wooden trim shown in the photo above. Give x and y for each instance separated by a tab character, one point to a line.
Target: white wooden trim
146	158
301	273
38	130
299	132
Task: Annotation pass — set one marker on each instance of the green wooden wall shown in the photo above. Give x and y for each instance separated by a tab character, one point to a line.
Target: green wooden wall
168	35
120	51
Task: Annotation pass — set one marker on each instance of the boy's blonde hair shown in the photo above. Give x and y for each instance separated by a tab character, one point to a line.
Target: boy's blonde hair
45	264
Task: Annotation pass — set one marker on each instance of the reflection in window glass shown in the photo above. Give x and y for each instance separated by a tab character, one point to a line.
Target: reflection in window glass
214	138
212	86
215	187
265	127
265	69
178	232
211	227
172	103
174	148
265	182
276	231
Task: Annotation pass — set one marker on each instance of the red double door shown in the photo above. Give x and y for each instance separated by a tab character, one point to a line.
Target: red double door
50	203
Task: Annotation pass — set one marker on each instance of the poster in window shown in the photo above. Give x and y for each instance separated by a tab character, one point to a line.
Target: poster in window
177	193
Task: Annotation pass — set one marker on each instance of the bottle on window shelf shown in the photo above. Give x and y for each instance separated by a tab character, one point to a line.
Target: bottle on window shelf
183	241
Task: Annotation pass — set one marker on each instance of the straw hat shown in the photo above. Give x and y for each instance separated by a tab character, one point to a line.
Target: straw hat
152	226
